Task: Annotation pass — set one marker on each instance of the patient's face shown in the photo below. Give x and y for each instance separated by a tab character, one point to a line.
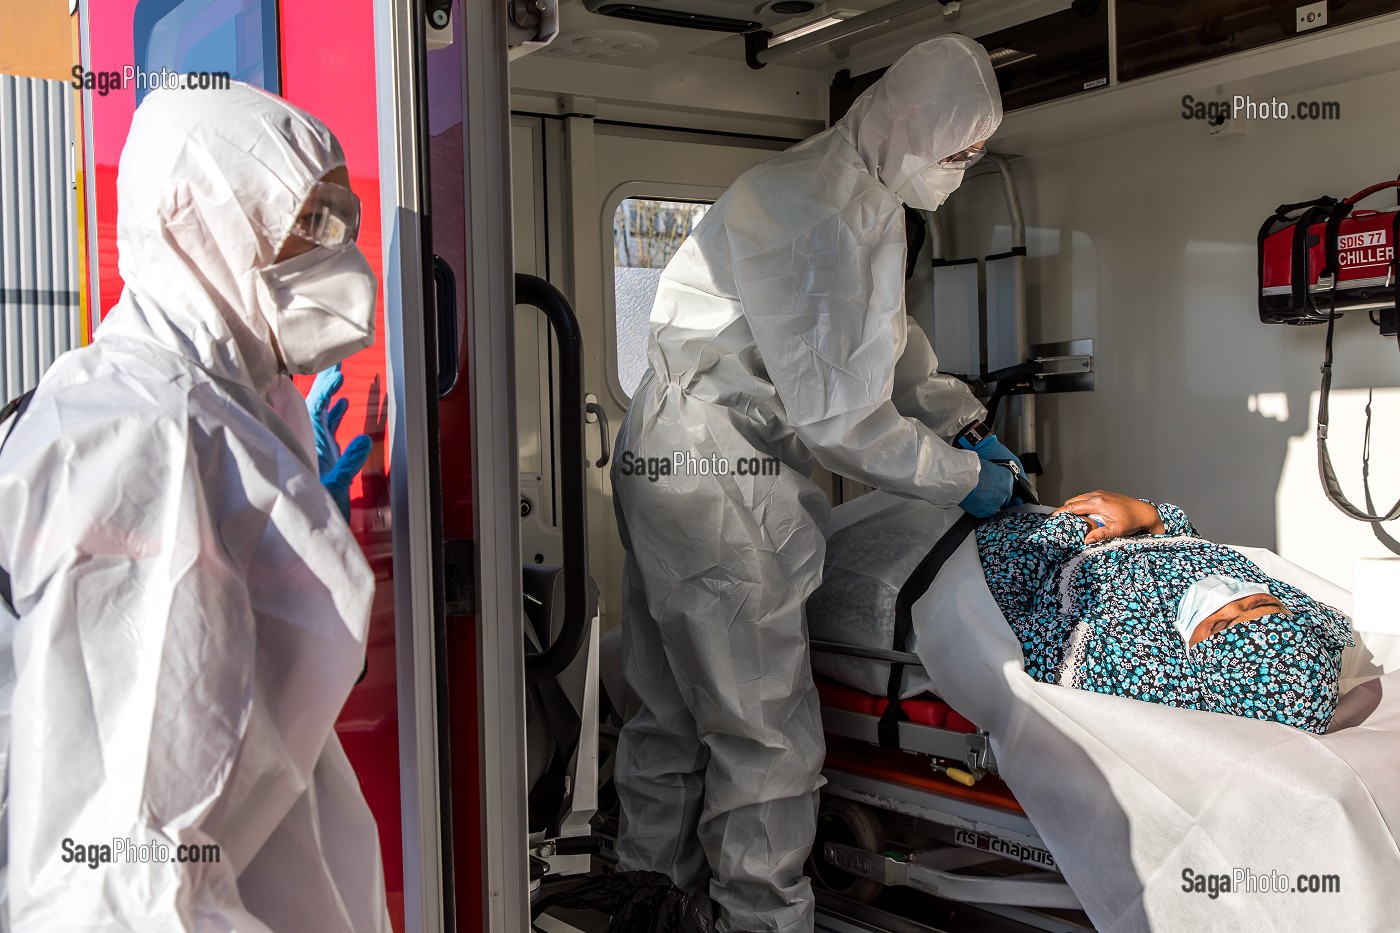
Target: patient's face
1244	609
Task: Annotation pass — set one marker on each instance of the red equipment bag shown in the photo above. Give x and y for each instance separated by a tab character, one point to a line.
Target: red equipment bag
1319	257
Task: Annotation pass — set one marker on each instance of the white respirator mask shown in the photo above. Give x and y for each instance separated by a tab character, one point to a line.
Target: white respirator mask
927	190
320	306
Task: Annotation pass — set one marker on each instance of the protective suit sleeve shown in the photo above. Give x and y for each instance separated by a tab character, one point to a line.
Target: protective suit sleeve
945	404
827	314
161	700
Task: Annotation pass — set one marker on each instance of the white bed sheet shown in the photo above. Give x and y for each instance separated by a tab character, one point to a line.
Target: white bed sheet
1130	795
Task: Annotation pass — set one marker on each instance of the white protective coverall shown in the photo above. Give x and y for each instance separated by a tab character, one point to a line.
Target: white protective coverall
779	340
192	606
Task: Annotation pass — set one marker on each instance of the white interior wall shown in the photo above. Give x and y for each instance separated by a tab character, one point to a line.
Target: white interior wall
1145	241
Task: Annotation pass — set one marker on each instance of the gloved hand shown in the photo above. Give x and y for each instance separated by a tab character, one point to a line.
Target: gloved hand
989	448
993	491
337	468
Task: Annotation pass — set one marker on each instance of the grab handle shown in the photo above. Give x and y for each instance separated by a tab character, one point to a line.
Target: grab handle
593	408
549	662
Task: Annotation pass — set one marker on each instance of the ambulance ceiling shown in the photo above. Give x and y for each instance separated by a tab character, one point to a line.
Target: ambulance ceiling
601	39
650	73
605	64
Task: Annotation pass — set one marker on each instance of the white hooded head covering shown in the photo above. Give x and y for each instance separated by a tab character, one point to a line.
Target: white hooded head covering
208	187
937	100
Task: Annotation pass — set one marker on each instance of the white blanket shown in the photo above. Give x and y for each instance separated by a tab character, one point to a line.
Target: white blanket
1130	796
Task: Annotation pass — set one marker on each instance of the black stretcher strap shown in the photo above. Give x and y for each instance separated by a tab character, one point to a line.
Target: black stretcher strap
918	583
14	407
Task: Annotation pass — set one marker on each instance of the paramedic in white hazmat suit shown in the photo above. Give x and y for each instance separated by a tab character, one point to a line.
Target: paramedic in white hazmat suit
779	334
191	605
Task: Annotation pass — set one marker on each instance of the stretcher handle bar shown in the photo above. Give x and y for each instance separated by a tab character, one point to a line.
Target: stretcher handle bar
1033	889
550	662
870	654
841	30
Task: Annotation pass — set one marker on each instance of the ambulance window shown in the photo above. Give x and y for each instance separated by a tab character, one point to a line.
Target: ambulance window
234	37
646	234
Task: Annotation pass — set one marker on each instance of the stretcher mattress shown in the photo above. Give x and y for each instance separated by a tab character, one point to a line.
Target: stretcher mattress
924	710
1172	819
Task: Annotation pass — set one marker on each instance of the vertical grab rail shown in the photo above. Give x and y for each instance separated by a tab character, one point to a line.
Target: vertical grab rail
556	656
1025	423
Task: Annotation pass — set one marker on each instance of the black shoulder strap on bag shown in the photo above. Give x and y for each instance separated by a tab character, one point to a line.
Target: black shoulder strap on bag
12	411
1324	458
914	588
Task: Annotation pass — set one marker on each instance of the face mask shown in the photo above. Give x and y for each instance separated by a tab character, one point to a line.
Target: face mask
320	306
1207	596
927	190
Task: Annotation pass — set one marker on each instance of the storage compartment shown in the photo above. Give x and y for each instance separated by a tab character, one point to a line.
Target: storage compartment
1051	57
1158	35
1047	58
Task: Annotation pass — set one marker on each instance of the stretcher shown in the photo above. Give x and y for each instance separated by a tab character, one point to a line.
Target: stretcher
931	816
930	764
1127	798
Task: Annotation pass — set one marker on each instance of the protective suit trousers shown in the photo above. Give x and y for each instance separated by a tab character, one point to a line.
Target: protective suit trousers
719	766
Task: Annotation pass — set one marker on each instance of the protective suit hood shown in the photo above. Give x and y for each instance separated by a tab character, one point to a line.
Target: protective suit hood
938	99
209	184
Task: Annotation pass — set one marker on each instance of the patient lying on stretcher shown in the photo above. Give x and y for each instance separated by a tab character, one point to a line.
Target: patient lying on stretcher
1118	596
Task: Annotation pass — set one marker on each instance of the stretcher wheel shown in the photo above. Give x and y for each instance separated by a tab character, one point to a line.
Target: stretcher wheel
847	823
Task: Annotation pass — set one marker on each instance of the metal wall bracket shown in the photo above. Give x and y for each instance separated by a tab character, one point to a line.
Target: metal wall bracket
754	43
1067	366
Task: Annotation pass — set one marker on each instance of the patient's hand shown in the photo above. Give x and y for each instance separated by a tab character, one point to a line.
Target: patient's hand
1122	516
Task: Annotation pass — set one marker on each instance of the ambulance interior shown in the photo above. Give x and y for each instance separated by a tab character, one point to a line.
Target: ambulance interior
1134	303
1174	187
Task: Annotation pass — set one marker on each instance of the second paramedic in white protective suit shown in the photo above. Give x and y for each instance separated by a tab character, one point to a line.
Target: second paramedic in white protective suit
192	606
779	337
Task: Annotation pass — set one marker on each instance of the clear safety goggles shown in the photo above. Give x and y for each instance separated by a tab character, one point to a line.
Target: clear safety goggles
329	217
965	158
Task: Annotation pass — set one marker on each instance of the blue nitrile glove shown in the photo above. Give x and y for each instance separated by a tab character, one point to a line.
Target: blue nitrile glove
989	448
338	479
993	491
337	468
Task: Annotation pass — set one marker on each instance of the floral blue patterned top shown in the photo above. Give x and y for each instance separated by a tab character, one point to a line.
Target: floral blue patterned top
1101	618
